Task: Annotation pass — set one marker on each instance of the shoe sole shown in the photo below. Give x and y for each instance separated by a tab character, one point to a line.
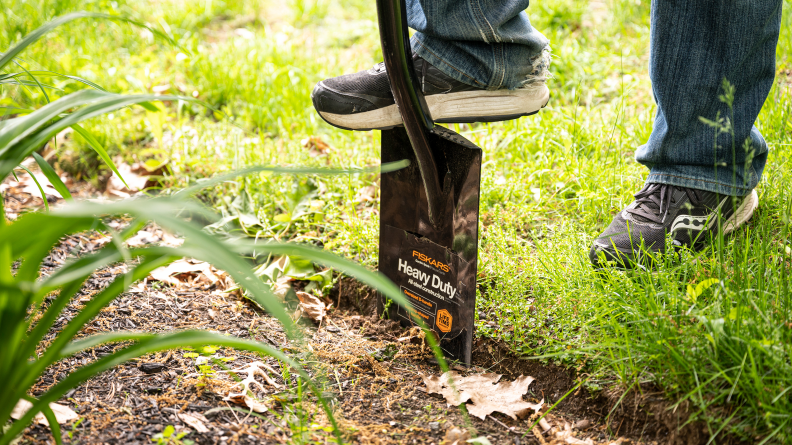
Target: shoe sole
464	107
743	213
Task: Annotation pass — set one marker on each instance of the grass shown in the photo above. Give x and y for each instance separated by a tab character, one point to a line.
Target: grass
551	182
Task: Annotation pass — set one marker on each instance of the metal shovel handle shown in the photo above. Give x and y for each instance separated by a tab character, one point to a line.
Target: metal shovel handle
409	98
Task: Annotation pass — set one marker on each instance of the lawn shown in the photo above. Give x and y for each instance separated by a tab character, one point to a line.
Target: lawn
712	330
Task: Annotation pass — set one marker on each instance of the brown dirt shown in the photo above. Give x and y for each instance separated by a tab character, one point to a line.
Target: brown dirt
643	415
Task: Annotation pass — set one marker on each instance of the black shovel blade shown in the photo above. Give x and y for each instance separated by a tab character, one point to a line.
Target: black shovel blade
434	265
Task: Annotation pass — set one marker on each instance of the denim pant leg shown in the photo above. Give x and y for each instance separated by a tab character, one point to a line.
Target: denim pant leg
485	43
695	44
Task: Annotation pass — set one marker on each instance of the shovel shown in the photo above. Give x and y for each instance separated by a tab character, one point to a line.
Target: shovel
429	210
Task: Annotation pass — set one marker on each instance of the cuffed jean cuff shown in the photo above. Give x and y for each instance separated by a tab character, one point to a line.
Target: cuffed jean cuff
486	66
721	187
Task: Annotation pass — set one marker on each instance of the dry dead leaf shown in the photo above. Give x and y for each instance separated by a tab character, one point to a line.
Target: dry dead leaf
312	307
243	396
62	413
177	272
455	436
457	393
366	194
142	238
194	421
566	436
505	397
486	395
316	146
27	185
282	288
135	181
155	236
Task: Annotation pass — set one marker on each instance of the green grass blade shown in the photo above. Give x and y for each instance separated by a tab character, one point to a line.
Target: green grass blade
53	177
67	76
43	91
53	423
30	83
41	190
5	111
49	228
17	129
91	309
202	184
97	147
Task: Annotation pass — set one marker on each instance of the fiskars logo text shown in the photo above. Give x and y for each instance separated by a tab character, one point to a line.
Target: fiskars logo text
429	260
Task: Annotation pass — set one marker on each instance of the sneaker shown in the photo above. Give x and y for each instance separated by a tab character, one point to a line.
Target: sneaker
637	235
363	101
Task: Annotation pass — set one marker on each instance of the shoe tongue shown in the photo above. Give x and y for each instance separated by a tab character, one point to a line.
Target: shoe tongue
648	205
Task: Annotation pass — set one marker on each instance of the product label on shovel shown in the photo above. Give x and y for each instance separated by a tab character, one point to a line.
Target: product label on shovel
431	278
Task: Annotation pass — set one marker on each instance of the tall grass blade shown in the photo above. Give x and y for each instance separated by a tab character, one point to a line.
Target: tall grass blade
53	177
97	147
41	189
384	168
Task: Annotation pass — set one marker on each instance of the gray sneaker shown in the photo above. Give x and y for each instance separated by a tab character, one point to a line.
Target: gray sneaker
363	100
637	235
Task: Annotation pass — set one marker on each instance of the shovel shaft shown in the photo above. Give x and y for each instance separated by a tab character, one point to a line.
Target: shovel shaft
409	97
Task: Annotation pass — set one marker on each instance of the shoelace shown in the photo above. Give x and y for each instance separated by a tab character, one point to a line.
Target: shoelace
654	201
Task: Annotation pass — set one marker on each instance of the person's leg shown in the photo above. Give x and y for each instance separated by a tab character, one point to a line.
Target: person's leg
695	45
484	43
476	60
695	169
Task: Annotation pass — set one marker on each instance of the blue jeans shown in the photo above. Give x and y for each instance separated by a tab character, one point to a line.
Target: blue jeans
694	46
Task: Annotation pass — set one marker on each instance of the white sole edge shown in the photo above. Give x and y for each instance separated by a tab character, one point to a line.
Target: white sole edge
463	106
743	213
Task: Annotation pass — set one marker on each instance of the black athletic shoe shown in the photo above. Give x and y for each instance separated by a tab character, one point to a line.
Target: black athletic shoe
363	101
689	216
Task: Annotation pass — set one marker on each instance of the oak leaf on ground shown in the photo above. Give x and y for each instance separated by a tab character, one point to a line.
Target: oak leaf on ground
312	307
485	393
